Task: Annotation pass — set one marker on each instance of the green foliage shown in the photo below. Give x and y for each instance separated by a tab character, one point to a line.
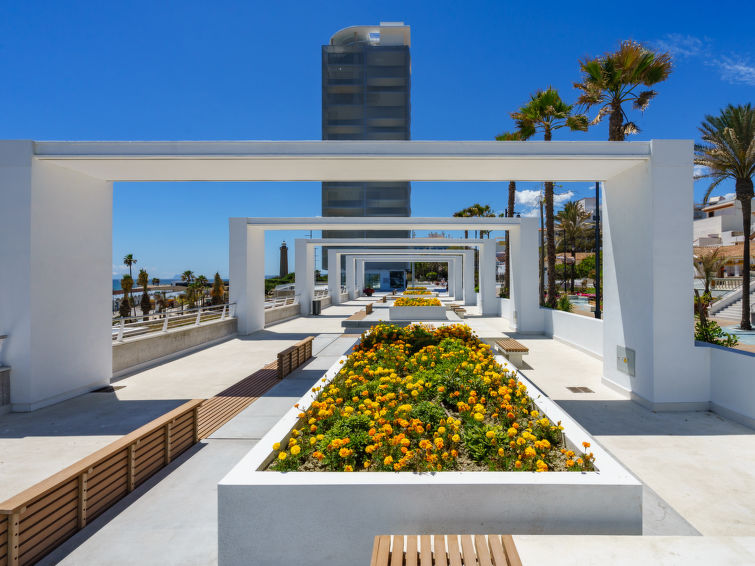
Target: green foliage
431	276
218	290
145	304
273	282
709	331
125	308
564	304
428	412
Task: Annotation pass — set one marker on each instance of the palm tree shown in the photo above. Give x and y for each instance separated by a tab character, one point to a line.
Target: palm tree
201	282
129	260
155	281
546	112
187	276
127	282
728	152
612	79
509	136
707	266
144	303
573	221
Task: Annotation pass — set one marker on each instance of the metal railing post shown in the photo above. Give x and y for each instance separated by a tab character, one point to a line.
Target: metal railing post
199	316
165	322
222	315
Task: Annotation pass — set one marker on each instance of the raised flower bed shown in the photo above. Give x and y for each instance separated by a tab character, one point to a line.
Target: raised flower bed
417	308
279	516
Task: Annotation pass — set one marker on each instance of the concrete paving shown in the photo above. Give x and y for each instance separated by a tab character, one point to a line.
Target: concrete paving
694	467
35	445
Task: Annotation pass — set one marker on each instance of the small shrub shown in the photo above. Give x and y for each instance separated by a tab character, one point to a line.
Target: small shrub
709	331
564	304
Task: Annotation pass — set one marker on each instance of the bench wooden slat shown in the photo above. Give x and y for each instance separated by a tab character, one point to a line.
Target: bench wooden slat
425	551
411	550
439	550
397	556
384	549
483	552
375	547
496	551
454	553
468	551
511	553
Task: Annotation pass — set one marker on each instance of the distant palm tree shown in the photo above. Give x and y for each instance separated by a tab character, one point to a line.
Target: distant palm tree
546	112
573	221
129	260
510	136
144	303
127	282
728	152
155	281
708	264
187	276
201	282
610	80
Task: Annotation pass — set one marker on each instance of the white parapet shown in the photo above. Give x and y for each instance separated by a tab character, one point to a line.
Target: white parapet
332	517
417	313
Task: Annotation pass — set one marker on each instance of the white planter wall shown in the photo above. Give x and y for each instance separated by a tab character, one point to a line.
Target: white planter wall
275	518
732	383
583	332
417	313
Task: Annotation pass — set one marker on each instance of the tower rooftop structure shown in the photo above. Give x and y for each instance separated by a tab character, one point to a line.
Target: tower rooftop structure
387	33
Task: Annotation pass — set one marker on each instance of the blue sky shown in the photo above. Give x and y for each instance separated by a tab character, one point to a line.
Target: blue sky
251	70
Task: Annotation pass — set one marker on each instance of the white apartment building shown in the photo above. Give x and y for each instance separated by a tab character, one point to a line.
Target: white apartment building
721	225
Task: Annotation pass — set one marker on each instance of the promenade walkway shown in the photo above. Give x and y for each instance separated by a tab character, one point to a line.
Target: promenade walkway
696	467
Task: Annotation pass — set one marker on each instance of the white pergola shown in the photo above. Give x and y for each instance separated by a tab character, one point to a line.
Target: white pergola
56	232
247	252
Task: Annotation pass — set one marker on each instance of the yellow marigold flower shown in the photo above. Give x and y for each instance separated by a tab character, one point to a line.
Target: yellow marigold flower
479	417
295	450
500	452
282	456
312	441
518	464
512	432
529	452
490	434
439	442
348	468
388	461
456	438
586	444
569	463
367	464
277	446
442	430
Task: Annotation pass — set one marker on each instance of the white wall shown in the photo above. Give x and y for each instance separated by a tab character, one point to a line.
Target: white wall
732	383
583	332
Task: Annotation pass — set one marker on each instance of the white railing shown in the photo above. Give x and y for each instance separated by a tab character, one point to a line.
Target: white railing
132	326
280	302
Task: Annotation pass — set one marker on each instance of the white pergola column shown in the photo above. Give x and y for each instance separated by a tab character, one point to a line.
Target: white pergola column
246	279
304	261
56	257
351	280
647	289
488	299
450	279
334	277
470	295
526	315
458	289
360	275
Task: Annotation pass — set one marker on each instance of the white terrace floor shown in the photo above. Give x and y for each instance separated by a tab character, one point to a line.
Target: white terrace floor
697	467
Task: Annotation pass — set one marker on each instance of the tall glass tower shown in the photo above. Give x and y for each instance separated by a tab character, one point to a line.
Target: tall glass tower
366	76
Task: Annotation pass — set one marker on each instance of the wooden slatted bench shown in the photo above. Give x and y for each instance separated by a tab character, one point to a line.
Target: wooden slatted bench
221	408
512	349
294	356
444	550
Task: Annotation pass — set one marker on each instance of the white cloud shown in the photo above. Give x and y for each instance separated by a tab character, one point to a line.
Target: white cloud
527	197
532	213
736	70
563	197
729	196
680	45
699	170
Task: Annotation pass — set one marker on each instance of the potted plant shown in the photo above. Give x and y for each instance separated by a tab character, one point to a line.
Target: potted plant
368	291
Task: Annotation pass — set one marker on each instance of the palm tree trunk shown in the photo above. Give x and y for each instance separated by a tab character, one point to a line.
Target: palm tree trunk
509	214
550	245
615	129
573	263
744	189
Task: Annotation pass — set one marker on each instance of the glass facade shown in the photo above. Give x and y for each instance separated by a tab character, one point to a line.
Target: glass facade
365	96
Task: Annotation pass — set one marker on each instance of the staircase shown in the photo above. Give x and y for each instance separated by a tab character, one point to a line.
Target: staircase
733	311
